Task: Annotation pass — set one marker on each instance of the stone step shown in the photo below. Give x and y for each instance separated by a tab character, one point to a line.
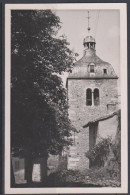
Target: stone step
71	159
73	148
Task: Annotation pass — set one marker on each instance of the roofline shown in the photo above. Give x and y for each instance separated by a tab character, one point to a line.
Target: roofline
89	42
101	119
93	77
89	78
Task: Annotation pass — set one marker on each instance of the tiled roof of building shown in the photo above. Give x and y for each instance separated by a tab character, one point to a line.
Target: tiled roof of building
81	68
101	118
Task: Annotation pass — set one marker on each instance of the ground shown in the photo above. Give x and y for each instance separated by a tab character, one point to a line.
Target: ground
71	178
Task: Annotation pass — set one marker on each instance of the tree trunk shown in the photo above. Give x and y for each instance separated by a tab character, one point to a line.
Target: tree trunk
44	169
28	169
60	156
12	176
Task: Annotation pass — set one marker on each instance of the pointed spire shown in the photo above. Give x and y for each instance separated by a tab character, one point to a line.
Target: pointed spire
88	23
89	42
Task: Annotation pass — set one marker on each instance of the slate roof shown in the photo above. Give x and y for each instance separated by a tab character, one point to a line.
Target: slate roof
81	68
101	118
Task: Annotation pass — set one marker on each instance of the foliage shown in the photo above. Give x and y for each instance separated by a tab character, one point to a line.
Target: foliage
66	176
39	117
99	152
110	153
114	163
100	177
116	144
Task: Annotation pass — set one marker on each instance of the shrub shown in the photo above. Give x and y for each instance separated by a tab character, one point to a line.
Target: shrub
98	154
114	164
65	175
107	152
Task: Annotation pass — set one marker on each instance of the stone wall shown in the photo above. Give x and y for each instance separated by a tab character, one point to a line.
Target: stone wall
80	114
18	168
77	159
108	128
78	111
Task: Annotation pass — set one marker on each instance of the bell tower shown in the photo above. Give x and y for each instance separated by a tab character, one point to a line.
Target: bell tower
89	42
92	93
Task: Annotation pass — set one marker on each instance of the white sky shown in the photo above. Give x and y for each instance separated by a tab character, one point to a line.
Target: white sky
105	27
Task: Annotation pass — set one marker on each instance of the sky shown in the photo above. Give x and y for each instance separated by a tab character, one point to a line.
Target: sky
105	27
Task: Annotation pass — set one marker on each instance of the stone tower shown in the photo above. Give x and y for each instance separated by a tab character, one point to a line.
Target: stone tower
92	93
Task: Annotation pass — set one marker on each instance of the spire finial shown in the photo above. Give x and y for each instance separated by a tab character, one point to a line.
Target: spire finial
88	23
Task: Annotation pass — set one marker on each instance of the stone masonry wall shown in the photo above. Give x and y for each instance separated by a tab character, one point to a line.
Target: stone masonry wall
80	114
108	128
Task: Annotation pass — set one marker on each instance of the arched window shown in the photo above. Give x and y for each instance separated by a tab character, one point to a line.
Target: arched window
105	71
88	97
91	45
91	67
96	97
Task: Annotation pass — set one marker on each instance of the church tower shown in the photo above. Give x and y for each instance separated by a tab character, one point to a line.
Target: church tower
92	93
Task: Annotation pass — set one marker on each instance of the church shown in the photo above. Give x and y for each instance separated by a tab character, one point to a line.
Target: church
92	96
93	103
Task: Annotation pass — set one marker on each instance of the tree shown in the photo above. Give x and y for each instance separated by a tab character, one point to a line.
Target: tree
39	118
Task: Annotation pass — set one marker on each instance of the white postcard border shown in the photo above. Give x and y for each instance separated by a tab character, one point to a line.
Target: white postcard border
124	108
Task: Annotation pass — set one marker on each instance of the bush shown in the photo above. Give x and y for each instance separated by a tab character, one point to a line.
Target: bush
107	155
114	164
66	176
99	153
